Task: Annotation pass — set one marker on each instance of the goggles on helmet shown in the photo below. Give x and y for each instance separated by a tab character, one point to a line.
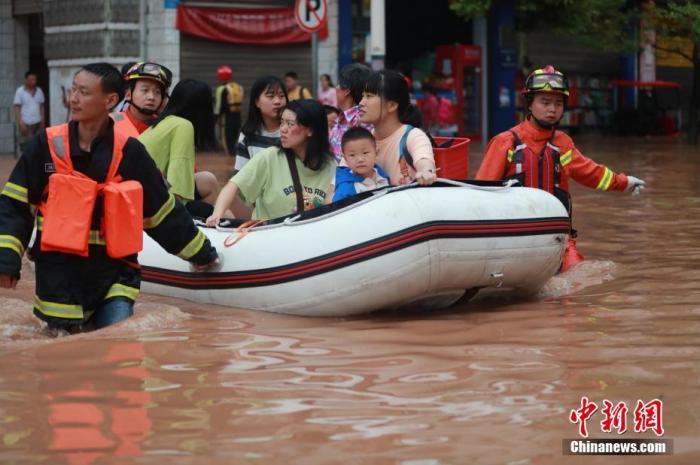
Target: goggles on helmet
148	70
547	82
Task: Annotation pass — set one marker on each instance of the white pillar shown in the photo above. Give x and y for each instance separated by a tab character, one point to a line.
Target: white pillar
647	57
377	34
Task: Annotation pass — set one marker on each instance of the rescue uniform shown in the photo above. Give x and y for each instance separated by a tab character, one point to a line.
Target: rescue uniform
498	162
227	108
127	124
70	288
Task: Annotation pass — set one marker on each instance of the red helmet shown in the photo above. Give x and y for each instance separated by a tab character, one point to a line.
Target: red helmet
224	73
546	79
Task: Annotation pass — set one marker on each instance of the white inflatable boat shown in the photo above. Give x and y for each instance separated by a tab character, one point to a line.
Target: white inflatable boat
389	248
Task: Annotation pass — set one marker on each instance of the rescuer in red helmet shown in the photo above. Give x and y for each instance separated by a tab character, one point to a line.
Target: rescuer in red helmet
537	155
227	109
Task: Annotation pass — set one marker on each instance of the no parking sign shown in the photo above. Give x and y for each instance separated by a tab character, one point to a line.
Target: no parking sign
310	14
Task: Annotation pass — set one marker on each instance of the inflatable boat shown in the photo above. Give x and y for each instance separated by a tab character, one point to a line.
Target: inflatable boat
383	249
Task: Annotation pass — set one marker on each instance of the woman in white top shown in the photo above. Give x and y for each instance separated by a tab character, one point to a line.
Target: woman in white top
262	129
386	104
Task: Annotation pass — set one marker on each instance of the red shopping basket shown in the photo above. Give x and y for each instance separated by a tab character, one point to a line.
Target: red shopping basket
452	157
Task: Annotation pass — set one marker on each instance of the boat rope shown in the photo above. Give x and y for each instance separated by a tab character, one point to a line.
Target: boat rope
242	231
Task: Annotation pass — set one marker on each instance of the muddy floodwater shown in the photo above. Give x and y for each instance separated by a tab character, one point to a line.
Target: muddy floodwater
491	381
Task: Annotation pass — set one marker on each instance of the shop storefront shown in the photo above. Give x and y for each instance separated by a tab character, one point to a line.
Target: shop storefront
253	41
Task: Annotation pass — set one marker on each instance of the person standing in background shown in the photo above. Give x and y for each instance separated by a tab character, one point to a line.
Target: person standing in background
29	109
227	109
294	90
327	93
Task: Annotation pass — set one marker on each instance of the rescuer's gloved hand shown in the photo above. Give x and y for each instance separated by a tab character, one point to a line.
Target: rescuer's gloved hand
634	185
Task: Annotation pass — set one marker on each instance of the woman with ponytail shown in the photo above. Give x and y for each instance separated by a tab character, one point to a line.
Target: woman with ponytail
404	150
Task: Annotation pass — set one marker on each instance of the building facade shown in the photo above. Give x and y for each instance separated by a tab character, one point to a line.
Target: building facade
55	37
48	37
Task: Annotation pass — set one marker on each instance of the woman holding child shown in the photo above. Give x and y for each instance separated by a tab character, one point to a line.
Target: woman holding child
386	105
268	179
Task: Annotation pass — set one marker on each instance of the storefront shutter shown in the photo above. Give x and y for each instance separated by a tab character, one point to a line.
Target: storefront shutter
26	7
199	59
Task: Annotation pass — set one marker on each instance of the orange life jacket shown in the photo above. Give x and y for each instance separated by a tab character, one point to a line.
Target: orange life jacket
123	124
69	206
541	171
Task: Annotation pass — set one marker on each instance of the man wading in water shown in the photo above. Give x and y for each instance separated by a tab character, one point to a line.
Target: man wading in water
96	190
539	156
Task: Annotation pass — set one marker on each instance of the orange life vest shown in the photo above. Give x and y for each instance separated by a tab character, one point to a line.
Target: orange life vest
543	171
123	124
69	206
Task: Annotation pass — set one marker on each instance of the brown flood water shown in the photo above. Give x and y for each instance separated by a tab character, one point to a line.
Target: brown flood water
487	382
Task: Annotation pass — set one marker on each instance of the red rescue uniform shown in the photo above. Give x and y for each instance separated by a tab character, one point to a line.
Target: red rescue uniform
538	167
496	164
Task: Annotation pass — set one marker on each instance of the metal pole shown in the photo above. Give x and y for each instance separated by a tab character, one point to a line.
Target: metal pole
314	63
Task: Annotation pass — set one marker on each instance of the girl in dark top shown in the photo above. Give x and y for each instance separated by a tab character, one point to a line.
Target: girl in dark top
262	129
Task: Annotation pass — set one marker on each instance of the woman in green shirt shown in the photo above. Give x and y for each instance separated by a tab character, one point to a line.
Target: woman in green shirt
185	126
266	180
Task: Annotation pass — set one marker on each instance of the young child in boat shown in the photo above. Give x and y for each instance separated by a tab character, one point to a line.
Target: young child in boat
361	173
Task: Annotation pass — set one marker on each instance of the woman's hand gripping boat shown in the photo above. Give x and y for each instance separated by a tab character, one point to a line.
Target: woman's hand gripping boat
383	249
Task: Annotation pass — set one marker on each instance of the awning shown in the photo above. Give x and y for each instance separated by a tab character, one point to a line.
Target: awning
266	26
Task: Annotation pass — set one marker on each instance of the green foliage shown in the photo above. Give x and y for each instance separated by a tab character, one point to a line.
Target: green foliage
676	19
469	9
604	24
598	23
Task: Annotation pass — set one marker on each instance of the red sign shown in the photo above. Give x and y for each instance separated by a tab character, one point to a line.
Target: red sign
311	15
647	416
266	26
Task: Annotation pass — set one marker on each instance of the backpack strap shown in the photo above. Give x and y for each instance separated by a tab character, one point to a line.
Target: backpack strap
516	156
556	159
295	181
404	154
